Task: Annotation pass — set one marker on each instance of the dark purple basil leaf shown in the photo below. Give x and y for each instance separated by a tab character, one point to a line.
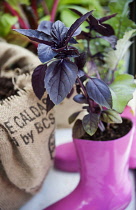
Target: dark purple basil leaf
60	78
71	52
67	53
77	32
109	31
90	123
99	92
73	41
111	39
75	26
76	11
103	29
78	130
38	80
93	21
81	73
81	60
80	98
72	117
71	93
58	31
35	35
84	35
103	19
45	26
49	104
45	53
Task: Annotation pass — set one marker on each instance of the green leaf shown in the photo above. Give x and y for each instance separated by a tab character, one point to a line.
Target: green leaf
90	123
78	130
47	18
84	4
16	38
121	22
111	116
72	118
15	2
122	91
113	57
71	18
6	22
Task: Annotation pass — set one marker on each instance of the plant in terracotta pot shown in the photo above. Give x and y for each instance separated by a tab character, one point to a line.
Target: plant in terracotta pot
100	138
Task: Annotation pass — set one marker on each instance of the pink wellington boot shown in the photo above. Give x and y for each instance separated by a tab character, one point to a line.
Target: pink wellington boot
129	114
104	178
66	158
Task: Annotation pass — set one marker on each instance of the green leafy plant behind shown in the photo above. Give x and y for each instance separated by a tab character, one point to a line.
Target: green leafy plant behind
121	22
6	23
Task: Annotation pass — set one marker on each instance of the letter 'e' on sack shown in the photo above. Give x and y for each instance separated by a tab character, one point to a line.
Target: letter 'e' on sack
26	147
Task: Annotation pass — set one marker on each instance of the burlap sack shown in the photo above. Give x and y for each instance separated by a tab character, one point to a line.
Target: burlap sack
26	147
13	56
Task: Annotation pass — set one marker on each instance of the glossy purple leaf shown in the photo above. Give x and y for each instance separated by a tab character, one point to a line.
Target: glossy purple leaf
107	31
60	78
38	80
103	19
97	25
45	53
75	25
76	11
103	29
80	98
77	32
35	35
99	92
58	31
45	26
73	41
81	60
90	123
70	52
84	35
49	104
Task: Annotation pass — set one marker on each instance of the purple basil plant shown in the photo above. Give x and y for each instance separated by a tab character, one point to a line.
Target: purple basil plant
63	68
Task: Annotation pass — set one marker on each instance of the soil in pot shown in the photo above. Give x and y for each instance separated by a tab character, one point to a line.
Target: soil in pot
113	131
6	88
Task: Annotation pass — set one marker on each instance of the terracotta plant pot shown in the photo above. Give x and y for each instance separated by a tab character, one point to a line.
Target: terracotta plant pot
66	158
104	178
